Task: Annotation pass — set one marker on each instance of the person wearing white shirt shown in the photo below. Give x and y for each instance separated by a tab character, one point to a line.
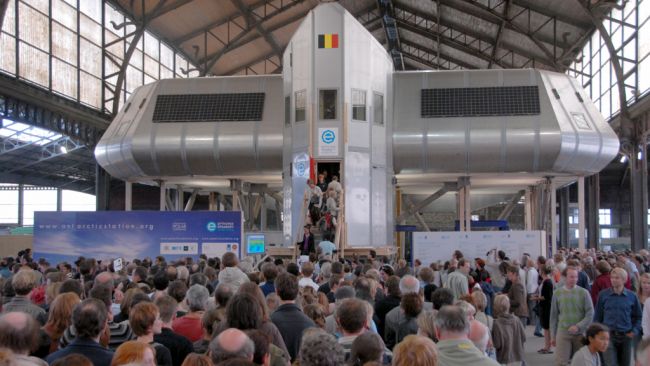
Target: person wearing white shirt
532	285
307	270
326	246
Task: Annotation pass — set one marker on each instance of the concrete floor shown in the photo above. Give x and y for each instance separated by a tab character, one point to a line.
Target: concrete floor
532	345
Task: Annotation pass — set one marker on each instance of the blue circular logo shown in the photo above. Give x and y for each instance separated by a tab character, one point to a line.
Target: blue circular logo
328	136
211	226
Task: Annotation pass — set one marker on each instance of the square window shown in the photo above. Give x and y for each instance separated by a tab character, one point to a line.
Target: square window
358	105
327	103
300	105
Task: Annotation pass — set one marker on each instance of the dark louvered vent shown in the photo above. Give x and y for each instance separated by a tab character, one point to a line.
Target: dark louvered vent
476	102
209	107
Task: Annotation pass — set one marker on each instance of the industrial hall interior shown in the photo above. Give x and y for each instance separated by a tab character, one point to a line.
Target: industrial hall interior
323	182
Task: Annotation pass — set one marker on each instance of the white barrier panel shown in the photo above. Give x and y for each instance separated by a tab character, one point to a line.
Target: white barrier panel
438	246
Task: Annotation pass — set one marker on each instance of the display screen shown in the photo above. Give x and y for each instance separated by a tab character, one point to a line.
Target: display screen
255	244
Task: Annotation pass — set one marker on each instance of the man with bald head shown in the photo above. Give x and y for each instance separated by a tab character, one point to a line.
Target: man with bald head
479	335
231	343
19	332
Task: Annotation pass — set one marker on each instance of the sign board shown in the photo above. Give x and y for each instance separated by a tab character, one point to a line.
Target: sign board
328	141
103	235
430	247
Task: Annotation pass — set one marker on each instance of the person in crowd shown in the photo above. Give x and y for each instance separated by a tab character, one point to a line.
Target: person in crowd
545	299
307	271
134	352
596	342
245	312
19	332
178	345
602	281
352	318
145	322
23	283
517	295
427	277
367	347
508	335
416	350
208	320
426	324
571	313
315	313
270	272
189	325
388	303
454	346
89	318
619	309
288	317
326	246
532	284
231	343
442	297
494	260
160	284
231	274
74	359
195	359
479	300
479	334
319	348
115	334
400	324
307	244
457	281
222	295
342	293
59	319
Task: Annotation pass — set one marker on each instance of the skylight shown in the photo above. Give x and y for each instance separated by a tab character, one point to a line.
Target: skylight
27	134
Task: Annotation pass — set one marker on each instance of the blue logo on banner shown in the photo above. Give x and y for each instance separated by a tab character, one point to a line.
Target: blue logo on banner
328	136
211	226
301	166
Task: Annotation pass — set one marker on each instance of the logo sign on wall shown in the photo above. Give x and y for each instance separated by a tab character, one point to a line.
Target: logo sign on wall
301	166
103	235
328	142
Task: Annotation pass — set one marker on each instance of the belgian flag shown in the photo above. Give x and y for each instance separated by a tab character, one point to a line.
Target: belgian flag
329	40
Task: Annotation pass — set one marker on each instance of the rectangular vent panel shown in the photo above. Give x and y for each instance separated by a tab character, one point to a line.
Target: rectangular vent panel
477	102
209	107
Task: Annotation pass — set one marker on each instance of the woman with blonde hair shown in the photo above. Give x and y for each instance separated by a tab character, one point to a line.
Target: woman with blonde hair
134	352
59	319
508	335
195	359
415	350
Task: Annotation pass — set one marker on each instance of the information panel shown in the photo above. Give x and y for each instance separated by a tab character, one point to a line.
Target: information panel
431	247
64	236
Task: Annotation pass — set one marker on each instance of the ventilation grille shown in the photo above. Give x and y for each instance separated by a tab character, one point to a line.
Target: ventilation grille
477	102
209	107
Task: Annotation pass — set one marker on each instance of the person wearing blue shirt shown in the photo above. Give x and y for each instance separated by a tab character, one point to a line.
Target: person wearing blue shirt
326	246
619	309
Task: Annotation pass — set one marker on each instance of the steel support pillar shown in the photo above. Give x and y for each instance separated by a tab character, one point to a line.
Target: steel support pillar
639	197
528	208
179	200
581	213
163	195
21	204
593	205
128	196
102	188
564	216
59	199
553	211
464	204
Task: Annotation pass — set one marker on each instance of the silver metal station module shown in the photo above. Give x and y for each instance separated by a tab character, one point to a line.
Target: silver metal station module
340	105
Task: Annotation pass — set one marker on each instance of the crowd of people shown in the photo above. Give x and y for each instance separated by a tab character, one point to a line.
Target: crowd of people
590	307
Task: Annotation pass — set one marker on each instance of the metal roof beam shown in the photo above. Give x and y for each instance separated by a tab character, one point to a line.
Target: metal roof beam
239	41
497	42
434	53
250	22
489	15
585	26
251	63
424	62
468	31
